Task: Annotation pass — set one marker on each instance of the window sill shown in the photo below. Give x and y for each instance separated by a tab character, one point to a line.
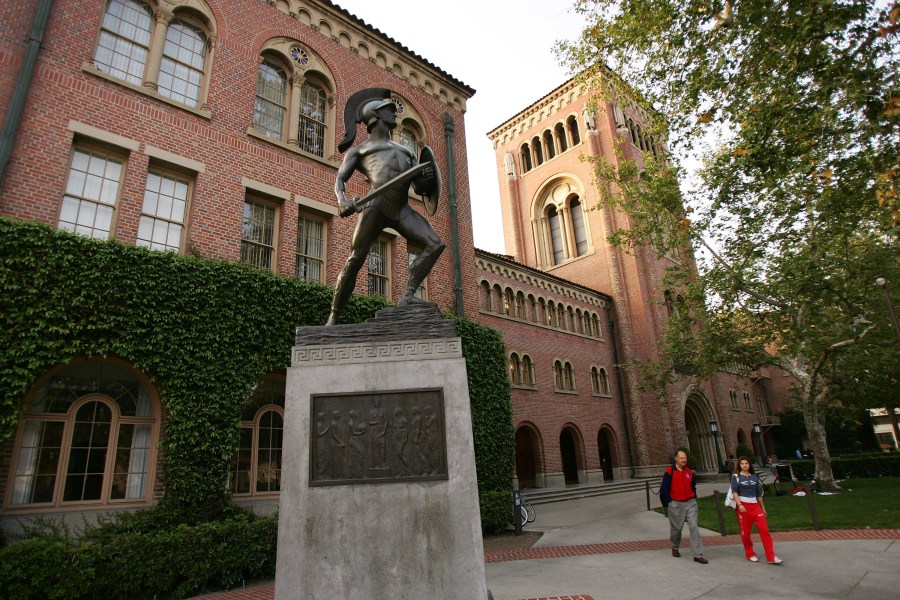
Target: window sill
252	132
92	70
569	392
531	388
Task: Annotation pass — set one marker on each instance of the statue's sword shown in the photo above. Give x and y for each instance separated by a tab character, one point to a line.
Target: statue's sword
403	178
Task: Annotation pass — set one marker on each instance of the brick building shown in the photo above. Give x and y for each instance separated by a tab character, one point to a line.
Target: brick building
557	253
209	128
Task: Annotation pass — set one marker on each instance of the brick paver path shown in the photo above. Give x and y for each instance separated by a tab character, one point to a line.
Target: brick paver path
266	591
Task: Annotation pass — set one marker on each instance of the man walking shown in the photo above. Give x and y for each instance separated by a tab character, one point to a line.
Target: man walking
678	493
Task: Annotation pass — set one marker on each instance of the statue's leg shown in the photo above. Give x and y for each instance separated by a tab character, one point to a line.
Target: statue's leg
367	229
419	232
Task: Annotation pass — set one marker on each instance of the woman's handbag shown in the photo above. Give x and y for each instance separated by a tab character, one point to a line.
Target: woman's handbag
729	498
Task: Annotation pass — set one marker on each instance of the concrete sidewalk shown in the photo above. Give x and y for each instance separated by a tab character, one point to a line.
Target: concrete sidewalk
611	547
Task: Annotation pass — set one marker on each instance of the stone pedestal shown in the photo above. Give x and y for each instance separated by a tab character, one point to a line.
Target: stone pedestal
379	497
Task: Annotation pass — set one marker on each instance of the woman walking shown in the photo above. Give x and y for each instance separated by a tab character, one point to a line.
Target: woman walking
748	493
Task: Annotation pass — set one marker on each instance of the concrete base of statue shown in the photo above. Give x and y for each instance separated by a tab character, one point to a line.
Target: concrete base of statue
379	498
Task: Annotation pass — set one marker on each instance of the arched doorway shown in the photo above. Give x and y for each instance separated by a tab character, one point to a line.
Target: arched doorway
605	445
697	415
527	452
569	454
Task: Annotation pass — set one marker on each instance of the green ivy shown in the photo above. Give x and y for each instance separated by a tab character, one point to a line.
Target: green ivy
203	331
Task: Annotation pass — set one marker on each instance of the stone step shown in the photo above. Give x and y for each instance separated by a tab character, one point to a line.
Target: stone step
548	495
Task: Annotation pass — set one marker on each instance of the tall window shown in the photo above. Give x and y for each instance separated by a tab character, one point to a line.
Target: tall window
408	138
258	236
560	133
181	70
556	240
87	437
256	466
162	220
124	40
135	41
581	242
311	134
734	399
92	189
558	375
548	144
270	105
310	249
525	152
527	370
747	404
603	382
569	377
515	369
379	269
572	125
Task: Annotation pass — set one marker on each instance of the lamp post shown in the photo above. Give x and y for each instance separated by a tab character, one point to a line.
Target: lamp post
882	283
714	428
759	444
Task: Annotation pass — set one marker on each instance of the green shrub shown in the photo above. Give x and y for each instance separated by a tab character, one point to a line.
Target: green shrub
496	511
44	568
848	467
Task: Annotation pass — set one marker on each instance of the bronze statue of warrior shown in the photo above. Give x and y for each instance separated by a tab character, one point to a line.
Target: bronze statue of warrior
390	168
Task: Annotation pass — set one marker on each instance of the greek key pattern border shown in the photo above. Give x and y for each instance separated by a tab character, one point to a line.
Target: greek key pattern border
382	352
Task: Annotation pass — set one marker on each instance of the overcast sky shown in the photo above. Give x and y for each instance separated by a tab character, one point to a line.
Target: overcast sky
502	49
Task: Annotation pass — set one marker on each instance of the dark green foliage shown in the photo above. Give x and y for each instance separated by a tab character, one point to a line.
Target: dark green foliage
848	467
204	332
491	411
496	511
746	451
173	562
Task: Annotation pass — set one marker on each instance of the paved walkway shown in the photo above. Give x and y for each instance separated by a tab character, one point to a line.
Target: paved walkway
610	547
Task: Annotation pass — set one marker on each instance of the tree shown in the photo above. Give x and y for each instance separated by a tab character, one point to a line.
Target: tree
793	109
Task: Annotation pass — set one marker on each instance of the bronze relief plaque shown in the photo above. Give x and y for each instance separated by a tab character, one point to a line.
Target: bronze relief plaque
380	437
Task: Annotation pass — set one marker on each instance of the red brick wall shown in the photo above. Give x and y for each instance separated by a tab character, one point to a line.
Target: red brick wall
62	91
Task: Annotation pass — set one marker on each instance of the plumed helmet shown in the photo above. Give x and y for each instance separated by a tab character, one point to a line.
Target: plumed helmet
360	108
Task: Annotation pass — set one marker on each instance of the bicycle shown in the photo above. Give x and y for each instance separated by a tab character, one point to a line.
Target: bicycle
528	513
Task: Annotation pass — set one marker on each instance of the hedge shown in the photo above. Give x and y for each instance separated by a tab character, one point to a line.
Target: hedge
204	332
848	467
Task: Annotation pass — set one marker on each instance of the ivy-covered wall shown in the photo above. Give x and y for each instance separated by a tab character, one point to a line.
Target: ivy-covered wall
204	332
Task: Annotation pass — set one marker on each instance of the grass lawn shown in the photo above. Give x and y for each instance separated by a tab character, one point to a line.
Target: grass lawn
861	503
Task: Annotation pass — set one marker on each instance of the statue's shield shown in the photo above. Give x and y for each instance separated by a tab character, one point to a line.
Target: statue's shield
428	185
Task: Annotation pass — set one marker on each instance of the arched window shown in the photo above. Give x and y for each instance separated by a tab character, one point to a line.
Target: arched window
561	317
572	124
538	151
548	144
87	436
270	106
578	229
520	306
181	69
168	52
508	302
527	370
532	303
125	40
595	321
256	466
560	132
525	153
551	313
595	381
515	369
603	382
569	377
558	375
485	294
292	104
498	296
311	130
556	241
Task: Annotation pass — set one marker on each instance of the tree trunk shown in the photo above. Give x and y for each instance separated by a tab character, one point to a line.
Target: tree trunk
817	439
